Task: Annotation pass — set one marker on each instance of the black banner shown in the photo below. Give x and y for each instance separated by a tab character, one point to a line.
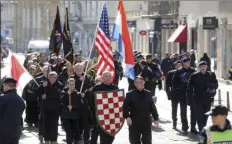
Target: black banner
131	24
210	23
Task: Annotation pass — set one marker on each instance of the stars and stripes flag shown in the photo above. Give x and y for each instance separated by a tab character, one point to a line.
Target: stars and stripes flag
102	44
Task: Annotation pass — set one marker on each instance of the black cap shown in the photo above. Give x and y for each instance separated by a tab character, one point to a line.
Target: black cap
9	80
177	61
149	56
185	59
218	110
202	63
77	54
139	56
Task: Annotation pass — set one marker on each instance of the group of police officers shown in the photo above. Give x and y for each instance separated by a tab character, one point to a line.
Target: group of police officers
60	90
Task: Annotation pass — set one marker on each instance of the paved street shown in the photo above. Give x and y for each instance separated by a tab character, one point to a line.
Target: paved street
161	135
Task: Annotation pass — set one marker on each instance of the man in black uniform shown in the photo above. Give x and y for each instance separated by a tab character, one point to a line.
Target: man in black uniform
31	100
106	85
118	70
201	89
156	74
71	102
146	73
168	88
87	83
50	94
11	110
179	85
138	107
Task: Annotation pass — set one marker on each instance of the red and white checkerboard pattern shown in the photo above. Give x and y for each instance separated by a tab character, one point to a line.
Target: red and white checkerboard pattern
109	111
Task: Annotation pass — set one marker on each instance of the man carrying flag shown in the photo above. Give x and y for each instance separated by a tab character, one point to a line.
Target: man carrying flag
107	108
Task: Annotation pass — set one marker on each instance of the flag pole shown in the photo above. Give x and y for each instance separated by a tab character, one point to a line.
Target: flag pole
86	67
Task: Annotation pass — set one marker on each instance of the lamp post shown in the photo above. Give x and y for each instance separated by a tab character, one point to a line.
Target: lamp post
151	35
133	38
224	44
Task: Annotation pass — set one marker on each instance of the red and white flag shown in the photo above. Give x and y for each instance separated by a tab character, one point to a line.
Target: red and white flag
102	44
19	73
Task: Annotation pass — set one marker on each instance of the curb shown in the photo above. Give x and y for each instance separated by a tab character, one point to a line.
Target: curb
227	82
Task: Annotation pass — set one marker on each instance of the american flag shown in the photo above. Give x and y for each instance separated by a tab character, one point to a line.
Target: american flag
102	44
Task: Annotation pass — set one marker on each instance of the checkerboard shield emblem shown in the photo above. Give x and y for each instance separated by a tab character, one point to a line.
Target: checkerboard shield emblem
109	110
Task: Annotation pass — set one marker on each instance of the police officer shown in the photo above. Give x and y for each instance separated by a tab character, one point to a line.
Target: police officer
156	73
106	85
179	85
71	102
203	85
11	110
51	107
146	73
168	88
220	131
138	107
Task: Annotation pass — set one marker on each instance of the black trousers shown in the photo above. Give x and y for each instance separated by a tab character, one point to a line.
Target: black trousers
193	120
183	112
84	124
41	125
71	128
50	125
31	112
201	109
104	137
139	135
9	140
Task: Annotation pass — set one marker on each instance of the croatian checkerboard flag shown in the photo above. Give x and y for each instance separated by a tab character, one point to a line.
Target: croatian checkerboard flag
121	33
19	73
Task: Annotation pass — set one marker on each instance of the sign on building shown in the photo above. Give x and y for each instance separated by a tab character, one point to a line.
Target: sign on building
210	23
169	25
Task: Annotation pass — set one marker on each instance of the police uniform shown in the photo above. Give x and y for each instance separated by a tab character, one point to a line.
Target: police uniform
214	134
118	70
11	110
179	85
201	89
146	73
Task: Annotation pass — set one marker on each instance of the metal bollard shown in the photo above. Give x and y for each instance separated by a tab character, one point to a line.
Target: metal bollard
228	100
219	97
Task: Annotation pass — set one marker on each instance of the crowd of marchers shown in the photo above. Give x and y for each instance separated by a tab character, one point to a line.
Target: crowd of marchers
61	90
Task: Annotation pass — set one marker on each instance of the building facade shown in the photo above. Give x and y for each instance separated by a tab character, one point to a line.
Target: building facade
217	43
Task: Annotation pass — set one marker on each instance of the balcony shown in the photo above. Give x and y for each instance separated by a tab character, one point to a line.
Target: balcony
163	7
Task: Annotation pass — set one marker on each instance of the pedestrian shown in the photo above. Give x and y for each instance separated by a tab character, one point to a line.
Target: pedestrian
201	89
206	58
221	130
147	75
106	85
138	107
71	101
179	85
11	110
50	94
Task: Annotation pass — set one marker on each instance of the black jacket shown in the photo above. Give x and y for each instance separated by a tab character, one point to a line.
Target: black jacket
52	101
29	92
139	106
203	136
180	82
75	103
169	88
146	73
87	83
11	110
198	85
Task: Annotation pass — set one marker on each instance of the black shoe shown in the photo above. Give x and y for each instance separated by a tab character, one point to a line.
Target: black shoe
184	132
29	125
194	131
174	126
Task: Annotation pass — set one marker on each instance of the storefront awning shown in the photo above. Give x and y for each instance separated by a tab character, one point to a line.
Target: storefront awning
179	35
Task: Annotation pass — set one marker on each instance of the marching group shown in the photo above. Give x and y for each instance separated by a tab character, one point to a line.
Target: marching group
61	90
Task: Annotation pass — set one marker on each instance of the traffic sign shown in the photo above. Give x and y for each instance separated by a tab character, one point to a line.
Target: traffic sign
143	32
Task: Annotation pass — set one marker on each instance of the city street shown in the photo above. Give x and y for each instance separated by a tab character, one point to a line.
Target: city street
163	134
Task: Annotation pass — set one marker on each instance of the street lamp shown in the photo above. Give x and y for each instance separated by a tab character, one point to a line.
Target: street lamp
133	38
151	34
